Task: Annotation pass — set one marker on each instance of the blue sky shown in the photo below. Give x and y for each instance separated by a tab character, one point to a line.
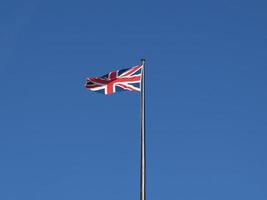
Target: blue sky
206	99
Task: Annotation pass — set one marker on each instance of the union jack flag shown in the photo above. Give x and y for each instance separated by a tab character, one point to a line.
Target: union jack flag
121	80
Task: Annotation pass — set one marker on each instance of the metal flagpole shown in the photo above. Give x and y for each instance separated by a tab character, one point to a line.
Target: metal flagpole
143	138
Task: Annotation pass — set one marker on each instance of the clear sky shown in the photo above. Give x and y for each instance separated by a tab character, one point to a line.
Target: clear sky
206	99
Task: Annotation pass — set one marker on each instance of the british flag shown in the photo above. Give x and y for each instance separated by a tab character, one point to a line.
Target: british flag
121	80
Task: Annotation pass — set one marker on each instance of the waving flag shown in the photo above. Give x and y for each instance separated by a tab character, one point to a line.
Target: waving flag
120	80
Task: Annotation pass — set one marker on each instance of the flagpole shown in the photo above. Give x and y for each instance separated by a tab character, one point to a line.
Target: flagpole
143	138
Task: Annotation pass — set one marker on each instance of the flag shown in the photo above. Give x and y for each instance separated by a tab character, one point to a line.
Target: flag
121	80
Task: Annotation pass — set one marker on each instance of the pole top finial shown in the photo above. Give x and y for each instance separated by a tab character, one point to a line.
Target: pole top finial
143	60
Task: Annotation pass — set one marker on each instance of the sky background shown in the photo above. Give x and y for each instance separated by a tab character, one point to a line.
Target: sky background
206	99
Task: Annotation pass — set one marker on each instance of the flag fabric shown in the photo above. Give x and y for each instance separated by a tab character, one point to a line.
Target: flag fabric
121	80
